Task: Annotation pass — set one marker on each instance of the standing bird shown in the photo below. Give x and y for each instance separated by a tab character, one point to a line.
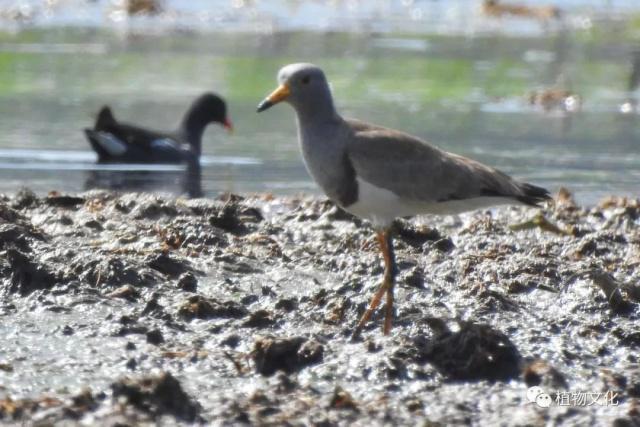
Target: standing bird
117	142
380	174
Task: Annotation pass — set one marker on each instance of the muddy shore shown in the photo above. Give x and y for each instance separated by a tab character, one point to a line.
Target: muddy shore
137	309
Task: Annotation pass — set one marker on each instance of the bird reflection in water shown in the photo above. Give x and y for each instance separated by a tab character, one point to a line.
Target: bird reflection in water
134	157
179	179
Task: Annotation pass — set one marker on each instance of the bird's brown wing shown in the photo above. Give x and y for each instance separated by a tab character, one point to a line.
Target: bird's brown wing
416	170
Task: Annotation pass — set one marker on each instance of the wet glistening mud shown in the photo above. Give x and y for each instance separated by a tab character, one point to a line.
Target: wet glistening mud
137	308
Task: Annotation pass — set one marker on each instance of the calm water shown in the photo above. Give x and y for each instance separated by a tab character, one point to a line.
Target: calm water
436	69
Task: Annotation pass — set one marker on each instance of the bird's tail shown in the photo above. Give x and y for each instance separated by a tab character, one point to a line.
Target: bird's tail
104	119
533	195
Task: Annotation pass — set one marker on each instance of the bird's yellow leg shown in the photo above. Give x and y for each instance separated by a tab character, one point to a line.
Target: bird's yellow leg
386	245
390	270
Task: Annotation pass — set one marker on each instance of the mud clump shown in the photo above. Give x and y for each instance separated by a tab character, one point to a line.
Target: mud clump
24	198
64	201
474	352
14	410
622	298
415	235
12	235
285	354
541	373
127	292
188	282
206	308
9	215
27	276
168	265
157	395
153	208
16	231
112	271
260	319
235	219
55	409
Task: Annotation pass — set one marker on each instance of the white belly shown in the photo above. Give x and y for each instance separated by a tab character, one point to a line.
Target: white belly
382	206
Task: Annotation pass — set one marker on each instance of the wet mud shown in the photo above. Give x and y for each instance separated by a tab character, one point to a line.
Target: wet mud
136	308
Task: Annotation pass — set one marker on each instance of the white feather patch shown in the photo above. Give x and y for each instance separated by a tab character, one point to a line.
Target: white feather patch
381	206
111	144
164	144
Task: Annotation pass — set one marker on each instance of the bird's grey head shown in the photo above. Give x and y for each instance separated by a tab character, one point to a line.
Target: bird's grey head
302	86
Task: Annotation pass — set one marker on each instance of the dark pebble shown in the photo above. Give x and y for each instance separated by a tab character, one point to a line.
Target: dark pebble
249	299
155	337
285	354
132	364
260	319
286	304
94	225
444	245
231	341
188	282
168	265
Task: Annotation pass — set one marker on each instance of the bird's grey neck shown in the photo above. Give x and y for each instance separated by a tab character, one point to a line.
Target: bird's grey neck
310	120
320	109
323	144
317	119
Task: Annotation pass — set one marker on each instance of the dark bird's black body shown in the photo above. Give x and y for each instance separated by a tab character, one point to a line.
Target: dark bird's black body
120	142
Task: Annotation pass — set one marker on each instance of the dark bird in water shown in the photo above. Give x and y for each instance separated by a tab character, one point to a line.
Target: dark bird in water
119	142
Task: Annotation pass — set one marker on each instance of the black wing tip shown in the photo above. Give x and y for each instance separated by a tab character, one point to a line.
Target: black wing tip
533	195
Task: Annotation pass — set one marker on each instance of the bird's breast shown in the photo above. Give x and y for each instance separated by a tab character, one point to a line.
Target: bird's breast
327	163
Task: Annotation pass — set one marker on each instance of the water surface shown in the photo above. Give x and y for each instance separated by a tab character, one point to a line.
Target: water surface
463	86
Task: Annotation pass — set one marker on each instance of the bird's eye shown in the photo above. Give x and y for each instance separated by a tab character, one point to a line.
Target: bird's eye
306	80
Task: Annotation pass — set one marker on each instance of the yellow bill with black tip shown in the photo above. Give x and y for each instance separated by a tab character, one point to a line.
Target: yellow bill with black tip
278	95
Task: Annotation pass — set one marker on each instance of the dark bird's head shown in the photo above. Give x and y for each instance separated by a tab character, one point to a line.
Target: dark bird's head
208	108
